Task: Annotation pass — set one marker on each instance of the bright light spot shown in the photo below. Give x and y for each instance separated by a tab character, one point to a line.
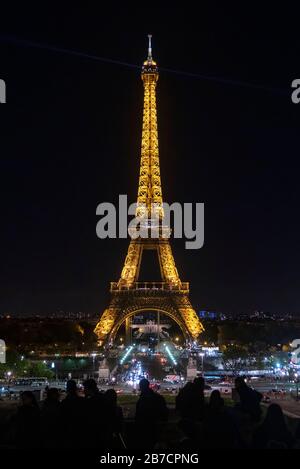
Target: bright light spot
171	355
126	355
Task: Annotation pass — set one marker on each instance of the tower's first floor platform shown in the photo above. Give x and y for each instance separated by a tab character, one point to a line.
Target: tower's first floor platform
148	296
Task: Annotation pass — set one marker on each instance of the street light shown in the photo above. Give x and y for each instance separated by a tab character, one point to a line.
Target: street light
53	367
297	386
201	354
94	356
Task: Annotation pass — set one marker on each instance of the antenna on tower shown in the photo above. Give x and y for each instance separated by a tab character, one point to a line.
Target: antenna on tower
149	47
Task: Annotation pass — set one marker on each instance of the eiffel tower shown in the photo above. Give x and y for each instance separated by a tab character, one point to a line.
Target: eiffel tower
128	295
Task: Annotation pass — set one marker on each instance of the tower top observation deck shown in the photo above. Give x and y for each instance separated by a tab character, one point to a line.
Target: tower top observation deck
150	66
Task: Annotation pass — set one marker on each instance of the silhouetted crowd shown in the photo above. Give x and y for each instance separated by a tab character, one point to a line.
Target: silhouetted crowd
96	420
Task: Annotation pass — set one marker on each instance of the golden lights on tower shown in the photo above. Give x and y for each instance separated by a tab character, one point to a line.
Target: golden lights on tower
128	295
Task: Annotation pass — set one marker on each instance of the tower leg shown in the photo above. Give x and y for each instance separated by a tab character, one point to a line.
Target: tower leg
158	329
128	331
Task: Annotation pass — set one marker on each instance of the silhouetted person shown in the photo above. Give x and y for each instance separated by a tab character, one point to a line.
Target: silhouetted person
72	416
190	440
273	432
297	435
218	429
249	399
198	397
151	409
51	423
190	401
96	418
183	403
115	414
27	422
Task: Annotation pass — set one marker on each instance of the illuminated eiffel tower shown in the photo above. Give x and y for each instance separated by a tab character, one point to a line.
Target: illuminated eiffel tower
128	295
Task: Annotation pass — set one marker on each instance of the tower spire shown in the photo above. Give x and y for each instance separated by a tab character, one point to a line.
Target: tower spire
149	48
149	190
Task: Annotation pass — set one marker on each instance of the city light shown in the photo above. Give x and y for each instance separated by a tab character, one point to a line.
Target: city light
126	354
171	355
135	374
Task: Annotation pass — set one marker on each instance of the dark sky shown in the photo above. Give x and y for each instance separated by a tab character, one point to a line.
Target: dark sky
70	138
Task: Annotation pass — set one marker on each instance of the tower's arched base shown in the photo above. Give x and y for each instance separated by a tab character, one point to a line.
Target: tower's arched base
126	303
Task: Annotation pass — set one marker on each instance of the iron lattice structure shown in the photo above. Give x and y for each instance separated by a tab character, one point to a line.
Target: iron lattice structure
128	296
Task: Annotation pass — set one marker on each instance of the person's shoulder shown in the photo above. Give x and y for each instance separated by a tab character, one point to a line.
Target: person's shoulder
70	399
160	398
259	431
99	397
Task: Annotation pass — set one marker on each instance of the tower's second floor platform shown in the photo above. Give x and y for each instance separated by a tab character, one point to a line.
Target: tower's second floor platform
150	287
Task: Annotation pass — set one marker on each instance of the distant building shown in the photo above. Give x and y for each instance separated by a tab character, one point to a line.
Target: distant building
212	315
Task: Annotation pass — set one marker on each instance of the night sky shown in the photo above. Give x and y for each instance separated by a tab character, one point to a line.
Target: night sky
70	137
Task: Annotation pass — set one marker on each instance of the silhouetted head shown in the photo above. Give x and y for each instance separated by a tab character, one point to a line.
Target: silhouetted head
53	395
90	387
199	383
28	399
71	386
275	418
144	385
240	383
111	396
188	386
215	401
